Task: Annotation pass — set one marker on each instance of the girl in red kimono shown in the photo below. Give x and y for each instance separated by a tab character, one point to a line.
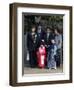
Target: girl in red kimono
41	55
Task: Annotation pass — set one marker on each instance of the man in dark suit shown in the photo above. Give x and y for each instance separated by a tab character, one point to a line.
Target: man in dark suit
32	46
48	36
40	35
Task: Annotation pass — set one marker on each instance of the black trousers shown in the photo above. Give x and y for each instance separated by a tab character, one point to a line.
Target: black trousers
58	58
32	59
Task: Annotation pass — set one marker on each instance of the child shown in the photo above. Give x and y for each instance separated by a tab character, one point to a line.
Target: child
41	55
51	63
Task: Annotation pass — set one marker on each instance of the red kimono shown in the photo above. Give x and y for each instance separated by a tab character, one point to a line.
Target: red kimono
41	57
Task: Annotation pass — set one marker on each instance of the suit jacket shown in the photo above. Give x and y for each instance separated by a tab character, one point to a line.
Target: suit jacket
40	36
48	38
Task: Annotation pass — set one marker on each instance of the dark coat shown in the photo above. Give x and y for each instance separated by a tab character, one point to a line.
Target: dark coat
32	46
31	42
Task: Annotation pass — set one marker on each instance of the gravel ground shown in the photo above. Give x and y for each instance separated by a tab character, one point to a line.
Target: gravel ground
28	70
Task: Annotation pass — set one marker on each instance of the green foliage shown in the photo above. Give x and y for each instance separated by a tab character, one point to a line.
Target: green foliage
51	21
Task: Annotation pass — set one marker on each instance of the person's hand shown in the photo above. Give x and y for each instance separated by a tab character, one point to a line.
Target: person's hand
45	45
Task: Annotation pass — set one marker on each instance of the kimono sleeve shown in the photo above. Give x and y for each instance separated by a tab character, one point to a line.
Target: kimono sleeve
55	49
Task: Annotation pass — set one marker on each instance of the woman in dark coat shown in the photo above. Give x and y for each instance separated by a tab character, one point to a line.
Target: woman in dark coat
32	46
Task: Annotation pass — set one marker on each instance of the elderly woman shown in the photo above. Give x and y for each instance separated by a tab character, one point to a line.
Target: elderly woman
58	41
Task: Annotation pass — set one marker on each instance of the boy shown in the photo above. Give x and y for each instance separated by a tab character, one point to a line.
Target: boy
51	63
